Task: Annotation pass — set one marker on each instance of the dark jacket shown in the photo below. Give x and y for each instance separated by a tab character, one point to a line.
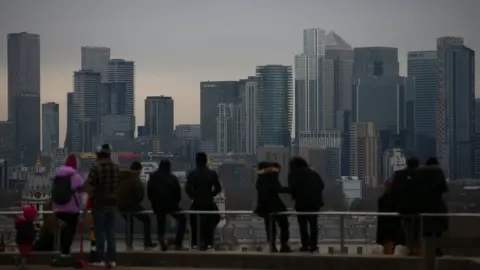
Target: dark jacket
202	186
164	192
131	192
389	228
432	186
268	188
405	191
306	187
103	180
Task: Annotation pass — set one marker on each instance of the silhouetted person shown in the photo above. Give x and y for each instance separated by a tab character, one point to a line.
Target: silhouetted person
306	188
390	231
202	186
131	193
405	196
164	193
432	186
268	202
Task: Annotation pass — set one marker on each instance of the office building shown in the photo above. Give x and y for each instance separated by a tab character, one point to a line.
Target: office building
365	153
70	112
117	131
455	119
121	76
50	126
159	119
211	94
375	62
477	115
96	59
187	131
247	109
422	68
275	98
393	160
24	94
226	128
113	98
7	141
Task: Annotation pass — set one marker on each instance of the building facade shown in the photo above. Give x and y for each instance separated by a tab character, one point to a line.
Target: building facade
96	59
247	109
120	71
159	119
50	126
365	153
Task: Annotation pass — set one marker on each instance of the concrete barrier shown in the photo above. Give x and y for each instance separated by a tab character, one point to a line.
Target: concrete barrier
246	260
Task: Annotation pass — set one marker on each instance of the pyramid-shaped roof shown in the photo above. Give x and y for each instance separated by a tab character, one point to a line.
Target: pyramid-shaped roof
334	41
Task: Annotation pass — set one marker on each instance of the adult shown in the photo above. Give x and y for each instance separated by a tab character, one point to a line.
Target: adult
201	187
165	194
269	204
103	181
131	192
306	187
390	232
67	202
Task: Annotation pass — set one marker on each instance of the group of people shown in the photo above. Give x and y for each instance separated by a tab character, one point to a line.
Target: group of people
411	192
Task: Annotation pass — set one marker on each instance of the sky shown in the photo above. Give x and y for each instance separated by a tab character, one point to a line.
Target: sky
178	43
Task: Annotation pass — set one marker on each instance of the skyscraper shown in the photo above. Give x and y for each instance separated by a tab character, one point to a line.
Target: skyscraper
376	62
455	121
70	113
211	94
96	59
85	127
122	71
159	119
50	126
365	153
247	108
422	68
275	98
24	94
226	128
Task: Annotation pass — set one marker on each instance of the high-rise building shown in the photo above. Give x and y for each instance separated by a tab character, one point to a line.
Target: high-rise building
121	75
96	59
211	94
85	118
117	131
422	68
159	120
455	121
393	160
226	128
274	110
70	114
365	153
376	62
24	94
477	115
314	84
50	126
247	108
187	131
7	141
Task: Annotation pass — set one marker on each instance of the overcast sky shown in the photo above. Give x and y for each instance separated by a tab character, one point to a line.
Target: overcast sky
178	43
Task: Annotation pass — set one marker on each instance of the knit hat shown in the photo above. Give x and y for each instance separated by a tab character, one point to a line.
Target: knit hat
29	213
71	161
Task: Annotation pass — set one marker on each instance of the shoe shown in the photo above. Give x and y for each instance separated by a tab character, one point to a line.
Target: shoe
273	249
163	245
64	256
304	249
149	246
112	264
194	247
314	249
285	248
179	248
99	264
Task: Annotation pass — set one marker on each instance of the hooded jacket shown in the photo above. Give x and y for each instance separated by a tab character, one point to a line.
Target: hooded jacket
163	190
75	203
202	186
268	189
130	191
306	186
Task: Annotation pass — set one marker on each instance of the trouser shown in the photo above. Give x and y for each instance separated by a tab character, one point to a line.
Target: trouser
271	223
181	220
104	219
67	233
308	226
203	229
129	229
411	226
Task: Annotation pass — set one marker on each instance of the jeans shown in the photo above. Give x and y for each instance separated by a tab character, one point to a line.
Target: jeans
129	228
104	219
308	226
181	227
271	229
67	233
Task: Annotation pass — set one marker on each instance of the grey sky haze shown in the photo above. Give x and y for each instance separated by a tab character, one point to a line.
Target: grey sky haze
178	43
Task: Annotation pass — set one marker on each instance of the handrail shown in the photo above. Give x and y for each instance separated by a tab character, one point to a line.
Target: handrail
320	213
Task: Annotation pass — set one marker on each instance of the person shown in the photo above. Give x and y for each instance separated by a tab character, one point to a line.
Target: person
306	187
432	187
405	202
131	192
268	202
46	234
389	228
102	183
164	193
201	187
26	232
66	202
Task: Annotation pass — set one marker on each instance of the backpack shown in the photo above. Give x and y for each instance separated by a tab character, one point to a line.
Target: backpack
62	191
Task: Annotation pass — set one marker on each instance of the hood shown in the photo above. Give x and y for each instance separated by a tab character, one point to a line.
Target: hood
66	170
268	170
128	174
29	213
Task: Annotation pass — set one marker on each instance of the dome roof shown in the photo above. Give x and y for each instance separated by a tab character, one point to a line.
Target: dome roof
38	186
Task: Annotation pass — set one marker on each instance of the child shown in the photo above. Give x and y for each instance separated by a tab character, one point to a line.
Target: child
389	228
26	232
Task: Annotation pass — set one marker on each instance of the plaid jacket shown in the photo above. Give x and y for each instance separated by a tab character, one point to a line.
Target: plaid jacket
104	178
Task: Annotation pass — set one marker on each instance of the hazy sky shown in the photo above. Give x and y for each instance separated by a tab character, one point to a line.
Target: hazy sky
178	43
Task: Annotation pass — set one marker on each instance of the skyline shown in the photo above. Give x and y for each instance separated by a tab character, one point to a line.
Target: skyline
228	47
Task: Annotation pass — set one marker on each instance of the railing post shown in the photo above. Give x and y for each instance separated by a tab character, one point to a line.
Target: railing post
342	233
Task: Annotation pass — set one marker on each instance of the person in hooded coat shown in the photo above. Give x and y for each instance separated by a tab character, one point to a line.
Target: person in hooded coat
201	187
306	187
131	192
268	202
165	194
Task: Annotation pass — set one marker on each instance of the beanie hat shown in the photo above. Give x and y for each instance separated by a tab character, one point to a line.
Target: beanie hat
71	161
29	213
